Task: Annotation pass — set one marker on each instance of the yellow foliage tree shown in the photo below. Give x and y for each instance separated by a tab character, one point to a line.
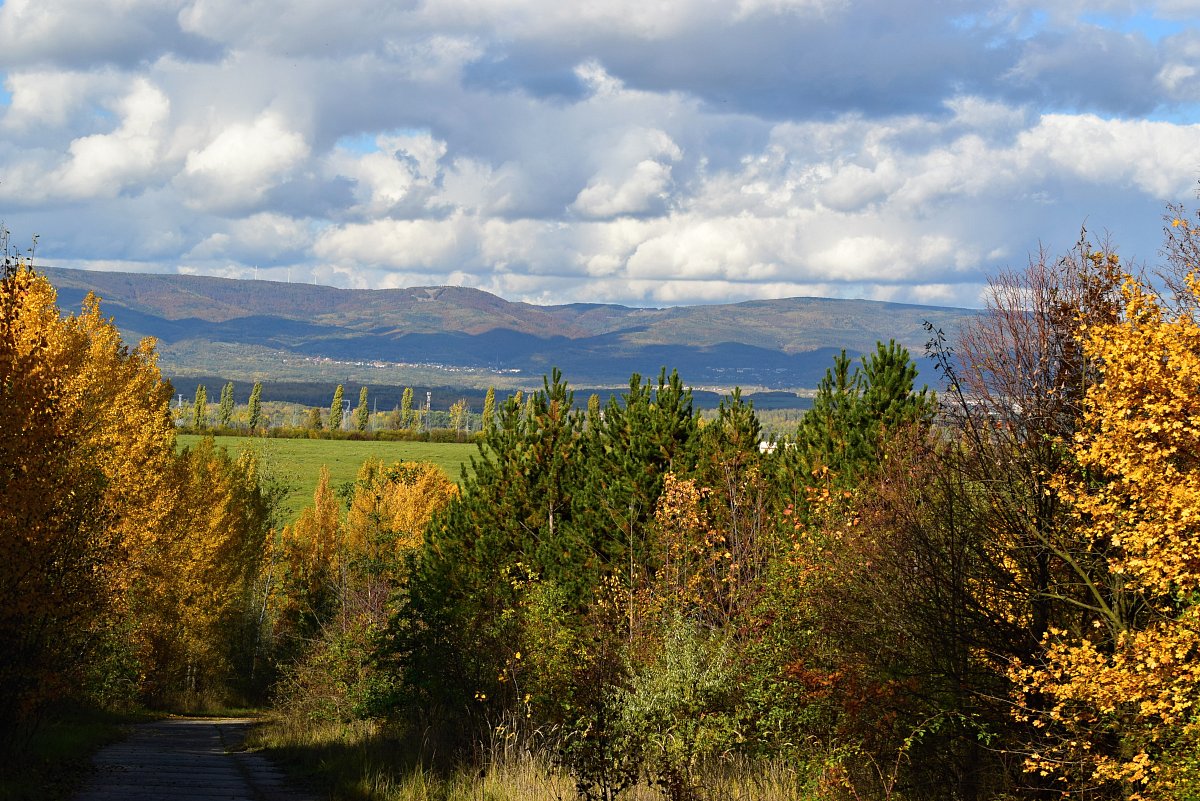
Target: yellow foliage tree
391	505
709	548
1118	696
307	563
124	567
386	519
337	577
197	624
85	463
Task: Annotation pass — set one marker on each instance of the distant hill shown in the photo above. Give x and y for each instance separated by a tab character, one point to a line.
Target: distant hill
246	330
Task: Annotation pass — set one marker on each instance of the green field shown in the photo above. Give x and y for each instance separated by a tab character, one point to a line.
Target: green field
297	462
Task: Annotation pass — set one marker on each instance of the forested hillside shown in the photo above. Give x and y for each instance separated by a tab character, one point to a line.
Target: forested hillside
985	593
251	330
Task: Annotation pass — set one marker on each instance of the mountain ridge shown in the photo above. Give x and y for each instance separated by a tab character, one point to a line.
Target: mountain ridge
777	344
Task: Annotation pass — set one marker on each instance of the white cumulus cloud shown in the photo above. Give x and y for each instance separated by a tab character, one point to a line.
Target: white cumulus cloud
241	164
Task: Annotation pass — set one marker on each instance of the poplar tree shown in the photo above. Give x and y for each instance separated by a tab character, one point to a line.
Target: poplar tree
225	409
458	414
362	415
335	409
200	407
256	405
405	408
489	408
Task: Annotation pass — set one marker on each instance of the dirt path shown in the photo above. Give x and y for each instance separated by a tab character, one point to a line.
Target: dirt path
187	760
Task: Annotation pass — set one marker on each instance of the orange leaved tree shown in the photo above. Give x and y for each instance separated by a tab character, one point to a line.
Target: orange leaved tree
83	487
1117	694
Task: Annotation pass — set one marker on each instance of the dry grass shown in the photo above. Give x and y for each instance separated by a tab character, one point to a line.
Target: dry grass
360	762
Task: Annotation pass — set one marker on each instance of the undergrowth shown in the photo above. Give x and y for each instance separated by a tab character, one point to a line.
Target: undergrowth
363	761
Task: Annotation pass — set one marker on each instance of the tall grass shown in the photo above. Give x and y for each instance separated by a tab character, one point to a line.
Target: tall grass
362	761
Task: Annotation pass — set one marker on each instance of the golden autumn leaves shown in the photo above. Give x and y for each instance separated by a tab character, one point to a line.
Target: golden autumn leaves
86	457
133	573
1133	675
126	569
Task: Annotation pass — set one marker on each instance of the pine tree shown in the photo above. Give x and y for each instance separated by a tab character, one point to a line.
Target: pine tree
225	409
200	408
335	410
489	408
625	452
854	408
830	433
889	398
362	415
255	405
511	523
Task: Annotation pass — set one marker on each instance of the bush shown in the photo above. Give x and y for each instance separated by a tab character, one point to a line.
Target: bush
681	703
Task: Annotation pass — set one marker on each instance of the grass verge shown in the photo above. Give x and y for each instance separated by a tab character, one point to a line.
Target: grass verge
55	760
360	762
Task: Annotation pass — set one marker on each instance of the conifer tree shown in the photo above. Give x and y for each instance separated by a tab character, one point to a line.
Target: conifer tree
225	409
889	397
255	405
200	408
625	453
362	415
853	408
511	523
830	435
335	410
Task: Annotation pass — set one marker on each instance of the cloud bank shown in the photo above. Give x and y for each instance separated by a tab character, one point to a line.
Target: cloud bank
643	153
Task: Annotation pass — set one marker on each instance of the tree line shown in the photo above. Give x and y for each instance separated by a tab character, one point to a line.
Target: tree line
338	419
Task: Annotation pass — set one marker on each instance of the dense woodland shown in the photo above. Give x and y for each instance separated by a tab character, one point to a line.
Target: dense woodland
986	593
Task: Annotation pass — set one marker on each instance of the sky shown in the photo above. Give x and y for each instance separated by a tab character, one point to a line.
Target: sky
644	152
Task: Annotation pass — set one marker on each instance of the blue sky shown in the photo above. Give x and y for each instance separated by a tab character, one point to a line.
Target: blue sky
680	151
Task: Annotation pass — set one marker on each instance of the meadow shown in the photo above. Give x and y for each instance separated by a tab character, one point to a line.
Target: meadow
297	462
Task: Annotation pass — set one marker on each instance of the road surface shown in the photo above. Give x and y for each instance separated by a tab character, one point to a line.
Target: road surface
189	759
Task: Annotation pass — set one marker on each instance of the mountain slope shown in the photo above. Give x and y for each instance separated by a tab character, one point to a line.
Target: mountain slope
259	326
